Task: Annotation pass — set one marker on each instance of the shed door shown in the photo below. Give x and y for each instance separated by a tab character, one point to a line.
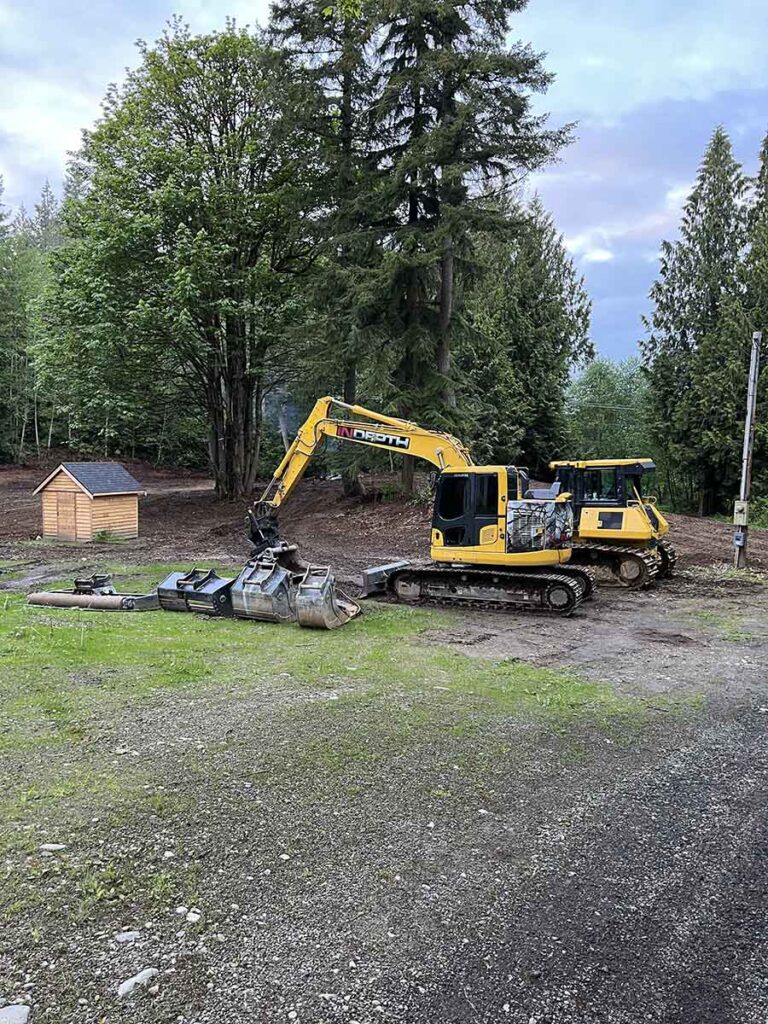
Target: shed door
65	516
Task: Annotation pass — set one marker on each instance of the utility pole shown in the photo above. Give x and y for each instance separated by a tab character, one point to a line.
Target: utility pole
741	508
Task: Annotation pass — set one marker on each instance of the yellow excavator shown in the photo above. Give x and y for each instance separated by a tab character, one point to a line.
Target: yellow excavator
494	543
616	526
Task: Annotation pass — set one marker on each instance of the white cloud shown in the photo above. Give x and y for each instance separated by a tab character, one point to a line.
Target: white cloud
610	56
598	256
55	65
598	243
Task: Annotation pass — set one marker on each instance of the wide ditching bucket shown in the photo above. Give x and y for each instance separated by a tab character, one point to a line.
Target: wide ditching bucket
199	590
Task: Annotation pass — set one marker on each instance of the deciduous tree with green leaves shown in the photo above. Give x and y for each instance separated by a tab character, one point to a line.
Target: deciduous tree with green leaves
193	220
607	409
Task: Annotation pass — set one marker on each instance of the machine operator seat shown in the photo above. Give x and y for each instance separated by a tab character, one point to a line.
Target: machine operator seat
544	493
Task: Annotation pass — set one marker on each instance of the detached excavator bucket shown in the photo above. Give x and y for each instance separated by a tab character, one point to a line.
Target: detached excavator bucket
196	591
319	604
265	590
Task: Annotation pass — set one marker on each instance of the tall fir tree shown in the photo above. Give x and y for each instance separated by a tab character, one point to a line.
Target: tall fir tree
454	110
698	334
756	286
329	46
7	333
528	319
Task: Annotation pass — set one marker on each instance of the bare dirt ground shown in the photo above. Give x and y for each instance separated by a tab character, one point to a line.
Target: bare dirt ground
520	870
181	520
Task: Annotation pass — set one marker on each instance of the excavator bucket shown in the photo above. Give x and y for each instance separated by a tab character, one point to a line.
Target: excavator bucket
265	590
320	604
199	591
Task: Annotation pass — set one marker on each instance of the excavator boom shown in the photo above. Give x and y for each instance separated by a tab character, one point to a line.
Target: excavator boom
373	429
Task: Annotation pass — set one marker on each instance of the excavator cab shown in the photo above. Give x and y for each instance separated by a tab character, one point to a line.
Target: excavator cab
487	515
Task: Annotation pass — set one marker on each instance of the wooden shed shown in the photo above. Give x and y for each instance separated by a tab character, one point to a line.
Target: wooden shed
83	499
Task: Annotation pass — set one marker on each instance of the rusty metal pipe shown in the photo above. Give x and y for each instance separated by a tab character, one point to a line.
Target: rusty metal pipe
94	602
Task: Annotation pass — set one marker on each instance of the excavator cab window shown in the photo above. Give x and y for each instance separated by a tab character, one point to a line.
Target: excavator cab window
487	494
464	504
600	487
451	496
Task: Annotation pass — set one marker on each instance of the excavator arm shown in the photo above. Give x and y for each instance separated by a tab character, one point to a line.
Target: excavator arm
372	429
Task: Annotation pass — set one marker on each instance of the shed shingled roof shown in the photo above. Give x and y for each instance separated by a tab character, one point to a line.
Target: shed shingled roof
100	477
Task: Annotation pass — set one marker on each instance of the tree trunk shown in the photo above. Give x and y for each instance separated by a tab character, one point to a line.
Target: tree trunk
37	428
446	319
20	457
350	479
407	474
235	436
283	425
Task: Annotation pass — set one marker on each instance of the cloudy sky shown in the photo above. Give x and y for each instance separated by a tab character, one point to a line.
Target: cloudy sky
647	80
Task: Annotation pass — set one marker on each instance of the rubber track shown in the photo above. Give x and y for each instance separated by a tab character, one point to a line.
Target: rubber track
607	555
539	582
668	560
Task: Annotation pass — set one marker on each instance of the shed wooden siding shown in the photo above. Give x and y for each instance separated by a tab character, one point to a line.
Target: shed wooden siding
115	513
67	514
83	517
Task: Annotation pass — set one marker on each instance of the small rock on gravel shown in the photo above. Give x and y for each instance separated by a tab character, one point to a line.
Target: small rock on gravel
127	987
127	936
14	1014
52	847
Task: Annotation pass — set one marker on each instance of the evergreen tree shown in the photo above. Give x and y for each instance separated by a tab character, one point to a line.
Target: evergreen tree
529	318
454	108
17	393
7	333
698	332
756	284
27	246
329	47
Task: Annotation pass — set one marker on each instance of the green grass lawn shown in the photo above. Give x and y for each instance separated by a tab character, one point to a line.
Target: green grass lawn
368	691
57	666
123	725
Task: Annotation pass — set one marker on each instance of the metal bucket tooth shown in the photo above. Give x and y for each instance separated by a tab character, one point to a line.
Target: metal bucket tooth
319	605
266	591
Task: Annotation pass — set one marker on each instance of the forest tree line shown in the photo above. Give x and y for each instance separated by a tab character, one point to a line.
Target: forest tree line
331	205
336	204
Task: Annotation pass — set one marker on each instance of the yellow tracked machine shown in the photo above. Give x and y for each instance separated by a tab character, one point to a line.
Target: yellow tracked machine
617	527
494	543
